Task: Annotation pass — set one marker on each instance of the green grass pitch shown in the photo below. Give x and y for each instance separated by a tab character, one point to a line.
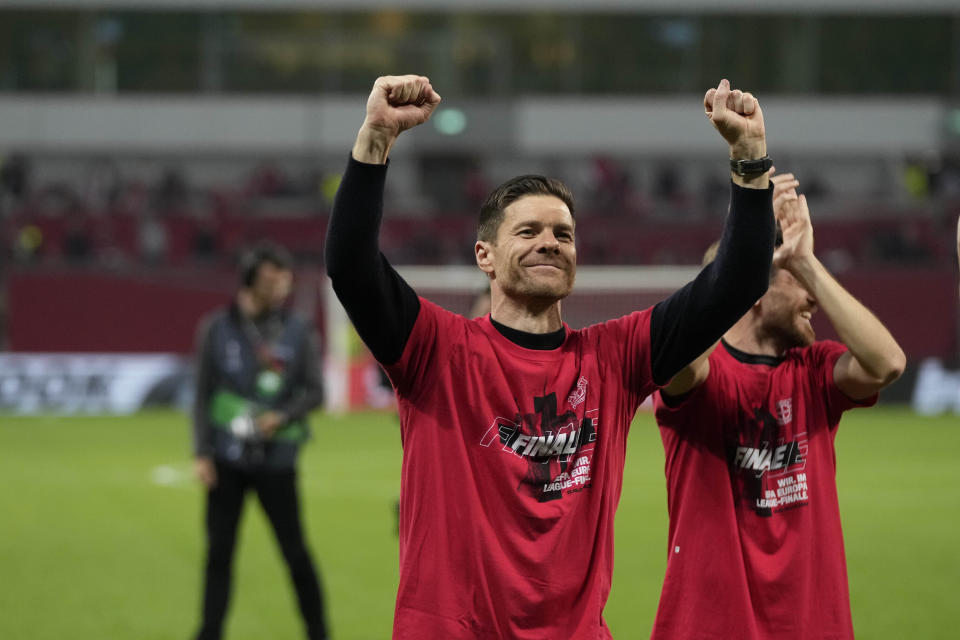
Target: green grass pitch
100	529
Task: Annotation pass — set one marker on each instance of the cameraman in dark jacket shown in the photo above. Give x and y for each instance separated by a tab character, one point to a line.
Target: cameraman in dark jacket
258	376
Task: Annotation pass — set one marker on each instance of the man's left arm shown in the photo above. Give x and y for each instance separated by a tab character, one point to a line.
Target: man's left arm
685	325
874	359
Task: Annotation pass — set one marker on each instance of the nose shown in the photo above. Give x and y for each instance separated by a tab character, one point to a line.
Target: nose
549	243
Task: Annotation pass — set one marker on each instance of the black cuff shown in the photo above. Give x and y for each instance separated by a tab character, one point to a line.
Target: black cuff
373	176
747	198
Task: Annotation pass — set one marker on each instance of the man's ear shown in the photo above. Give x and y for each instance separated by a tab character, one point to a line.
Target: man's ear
483	251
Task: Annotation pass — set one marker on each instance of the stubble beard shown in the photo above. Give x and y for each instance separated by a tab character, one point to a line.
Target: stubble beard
536	290
790	331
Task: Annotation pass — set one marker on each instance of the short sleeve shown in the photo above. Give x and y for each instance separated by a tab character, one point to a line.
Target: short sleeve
821	360
625	344
427	349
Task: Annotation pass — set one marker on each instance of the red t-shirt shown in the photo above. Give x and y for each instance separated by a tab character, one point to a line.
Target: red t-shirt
512	471
755	546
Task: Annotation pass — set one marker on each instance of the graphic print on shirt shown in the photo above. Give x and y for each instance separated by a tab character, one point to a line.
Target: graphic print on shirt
767	468
578	395
558	449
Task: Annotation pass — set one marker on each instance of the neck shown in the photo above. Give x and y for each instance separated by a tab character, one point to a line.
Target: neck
747	336
249	305
529	316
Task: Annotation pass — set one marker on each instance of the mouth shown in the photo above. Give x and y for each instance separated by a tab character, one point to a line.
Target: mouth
544	266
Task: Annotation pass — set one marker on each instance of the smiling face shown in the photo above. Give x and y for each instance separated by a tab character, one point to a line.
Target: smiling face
533	256
786	310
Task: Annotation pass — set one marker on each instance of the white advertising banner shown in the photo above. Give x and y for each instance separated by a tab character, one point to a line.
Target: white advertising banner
937	389
90	383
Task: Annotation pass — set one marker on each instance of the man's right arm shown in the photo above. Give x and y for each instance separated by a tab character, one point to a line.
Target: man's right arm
206	383
381	305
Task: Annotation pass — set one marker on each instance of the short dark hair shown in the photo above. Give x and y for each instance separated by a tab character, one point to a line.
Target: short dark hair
491	211
263	253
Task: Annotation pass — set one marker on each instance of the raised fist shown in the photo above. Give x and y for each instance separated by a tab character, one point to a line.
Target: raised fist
398	103
738	118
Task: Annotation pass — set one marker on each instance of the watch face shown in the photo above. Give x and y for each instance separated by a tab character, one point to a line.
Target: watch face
751	167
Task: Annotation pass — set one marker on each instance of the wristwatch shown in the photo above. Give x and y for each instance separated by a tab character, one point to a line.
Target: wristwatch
751	167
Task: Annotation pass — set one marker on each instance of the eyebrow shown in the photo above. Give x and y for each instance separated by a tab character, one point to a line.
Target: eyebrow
562	226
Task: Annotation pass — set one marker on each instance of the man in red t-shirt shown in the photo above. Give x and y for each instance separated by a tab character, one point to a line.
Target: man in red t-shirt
513	424
755	545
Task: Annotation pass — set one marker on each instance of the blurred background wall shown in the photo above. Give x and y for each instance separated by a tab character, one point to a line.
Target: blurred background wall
145	143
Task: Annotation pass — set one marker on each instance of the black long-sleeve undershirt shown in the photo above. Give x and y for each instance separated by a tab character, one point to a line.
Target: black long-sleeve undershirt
694	317
384	308
381	305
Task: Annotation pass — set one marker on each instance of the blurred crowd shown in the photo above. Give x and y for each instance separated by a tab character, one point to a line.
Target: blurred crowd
113	212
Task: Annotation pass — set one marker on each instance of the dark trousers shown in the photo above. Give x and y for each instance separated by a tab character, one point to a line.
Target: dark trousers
277	492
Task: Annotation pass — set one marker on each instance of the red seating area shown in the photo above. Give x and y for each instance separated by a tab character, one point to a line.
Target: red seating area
111	238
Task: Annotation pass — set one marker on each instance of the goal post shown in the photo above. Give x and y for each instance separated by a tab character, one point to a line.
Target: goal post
601	293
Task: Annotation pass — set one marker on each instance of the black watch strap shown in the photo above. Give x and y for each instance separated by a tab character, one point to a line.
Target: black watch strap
751	167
